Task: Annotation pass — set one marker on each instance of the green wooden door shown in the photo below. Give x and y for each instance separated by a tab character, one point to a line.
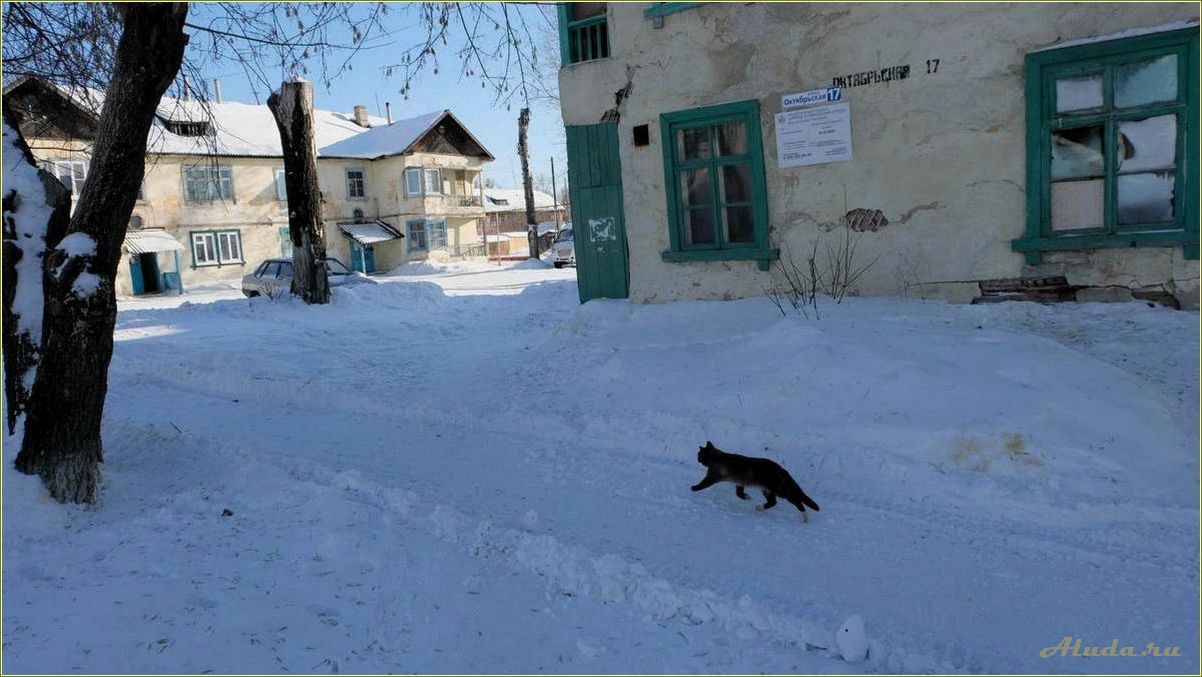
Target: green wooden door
598	223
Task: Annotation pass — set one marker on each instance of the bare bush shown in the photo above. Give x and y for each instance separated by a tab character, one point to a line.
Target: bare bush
830	269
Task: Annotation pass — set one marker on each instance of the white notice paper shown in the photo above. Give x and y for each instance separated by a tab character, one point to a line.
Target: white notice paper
814	135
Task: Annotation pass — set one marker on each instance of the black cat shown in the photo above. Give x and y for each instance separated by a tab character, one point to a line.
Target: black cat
747	471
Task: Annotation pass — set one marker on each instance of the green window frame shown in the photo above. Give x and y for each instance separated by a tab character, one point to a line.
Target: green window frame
662	9
1094	136
585	39
208	183
416	235
720	181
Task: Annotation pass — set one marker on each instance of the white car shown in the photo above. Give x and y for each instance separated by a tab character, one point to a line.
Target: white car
274	275
564	247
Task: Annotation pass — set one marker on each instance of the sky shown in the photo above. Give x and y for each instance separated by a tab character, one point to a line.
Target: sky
367	84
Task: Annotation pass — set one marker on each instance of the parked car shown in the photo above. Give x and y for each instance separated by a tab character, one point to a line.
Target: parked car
564	247
276	274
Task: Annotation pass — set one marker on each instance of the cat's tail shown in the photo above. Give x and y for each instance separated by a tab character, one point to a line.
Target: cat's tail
800	495
809	502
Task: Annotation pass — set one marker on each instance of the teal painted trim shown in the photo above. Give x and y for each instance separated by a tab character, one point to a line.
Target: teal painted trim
666	8
564	13
1042	68
179	274
747	112
763	256
1104	241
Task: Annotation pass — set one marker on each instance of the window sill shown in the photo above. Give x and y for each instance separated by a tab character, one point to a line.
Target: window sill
1034	247
762	257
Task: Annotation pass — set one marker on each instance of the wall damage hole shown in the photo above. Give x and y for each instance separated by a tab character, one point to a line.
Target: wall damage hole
642	135
861	220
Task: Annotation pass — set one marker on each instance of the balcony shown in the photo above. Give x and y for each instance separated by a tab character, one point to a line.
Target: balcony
454	205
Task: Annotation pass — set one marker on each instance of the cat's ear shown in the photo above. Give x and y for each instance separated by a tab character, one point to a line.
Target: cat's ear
709	445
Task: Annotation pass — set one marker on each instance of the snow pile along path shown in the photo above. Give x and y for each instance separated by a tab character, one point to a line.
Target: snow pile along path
462	470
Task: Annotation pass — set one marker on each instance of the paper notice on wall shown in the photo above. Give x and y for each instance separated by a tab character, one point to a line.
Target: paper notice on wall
814	135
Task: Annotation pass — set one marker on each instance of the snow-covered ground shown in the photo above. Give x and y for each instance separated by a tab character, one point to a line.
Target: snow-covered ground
462	470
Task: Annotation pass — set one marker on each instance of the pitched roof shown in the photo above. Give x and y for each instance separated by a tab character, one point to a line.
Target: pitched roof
509	200
240	129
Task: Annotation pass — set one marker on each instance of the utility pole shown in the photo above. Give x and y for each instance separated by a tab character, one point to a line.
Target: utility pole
555	197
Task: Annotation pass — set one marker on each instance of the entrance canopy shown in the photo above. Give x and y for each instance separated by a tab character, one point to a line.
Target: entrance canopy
371	232
151	241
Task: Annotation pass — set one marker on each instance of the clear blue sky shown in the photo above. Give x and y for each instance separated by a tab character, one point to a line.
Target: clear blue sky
495	126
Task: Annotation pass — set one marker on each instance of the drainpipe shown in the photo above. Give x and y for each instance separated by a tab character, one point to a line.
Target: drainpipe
388	111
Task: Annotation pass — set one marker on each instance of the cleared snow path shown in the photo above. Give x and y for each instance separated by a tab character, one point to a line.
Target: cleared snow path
464	471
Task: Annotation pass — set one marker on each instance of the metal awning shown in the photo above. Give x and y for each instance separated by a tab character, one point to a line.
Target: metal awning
370	232
150	241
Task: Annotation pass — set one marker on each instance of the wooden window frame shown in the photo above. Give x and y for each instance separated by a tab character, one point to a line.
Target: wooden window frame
421	179
220	257
362	183
747	112
583	40
1042	69
213	178
411	238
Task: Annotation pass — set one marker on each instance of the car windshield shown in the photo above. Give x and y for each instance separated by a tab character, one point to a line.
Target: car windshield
565	235
336	267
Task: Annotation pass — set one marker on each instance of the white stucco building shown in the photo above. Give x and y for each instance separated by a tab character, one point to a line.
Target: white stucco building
975	151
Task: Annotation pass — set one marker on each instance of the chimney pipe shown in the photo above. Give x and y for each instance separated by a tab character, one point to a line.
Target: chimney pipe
217	90
361	116
187	90
388	111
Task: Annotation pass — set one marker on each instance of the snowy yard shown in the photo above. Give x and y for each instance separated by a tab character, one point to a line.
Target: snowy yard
463	470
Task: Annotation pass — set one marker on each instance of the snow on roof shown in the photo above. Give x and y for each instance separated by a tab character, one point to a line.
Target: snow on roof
242	129
507	200
384	140
371	232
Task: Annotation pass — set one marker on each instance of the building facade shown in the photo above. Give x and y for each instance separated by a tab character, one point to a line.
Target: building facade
964	148
213	202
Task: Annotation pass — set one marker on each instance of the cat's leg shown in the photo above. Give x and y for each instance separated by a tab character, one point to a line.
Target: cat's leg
771	500
708	481
741	493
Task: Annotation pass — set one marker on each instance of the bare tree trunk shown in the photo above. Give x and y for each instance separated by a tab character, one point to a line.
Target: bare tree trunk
62	427
31	222
292	108
527	182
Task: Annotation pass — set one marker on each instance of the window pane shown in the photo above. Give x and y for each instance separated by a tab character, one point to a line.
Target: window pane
1077	152
1148	144
584	10
1077	204
1144	82
739	225
732	138
1079	93
699	226
1145	198
281	187
433	181
693	143
270	270
695	187
736	183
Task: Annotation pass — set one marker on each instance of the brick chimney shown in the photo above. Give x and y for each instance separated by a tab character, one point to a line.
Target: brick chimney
361	116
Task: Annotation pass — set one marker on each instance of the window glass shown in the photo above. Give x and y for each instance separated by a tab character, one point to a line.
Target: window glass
271	269
1077	152
695	187
731	138
281	187
740	225
736	183
694	143
413	181
355	183
1147	144
335	266
1079	93
204	252
1144	82
585	10
699	226
433	181
1145	198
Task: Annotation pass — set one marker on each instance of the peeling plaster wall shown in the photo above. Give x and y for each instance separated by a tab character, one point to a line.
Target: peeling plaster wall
942	155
